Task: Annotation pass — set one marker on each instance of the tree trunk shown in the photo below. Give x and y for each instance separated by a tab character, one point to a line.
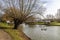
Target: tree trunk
16	23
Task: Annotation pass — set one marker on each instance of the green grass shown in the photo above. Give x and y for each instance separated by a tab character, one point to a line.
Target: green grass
34	23
15	34
5	25
40	23
55	23
51	23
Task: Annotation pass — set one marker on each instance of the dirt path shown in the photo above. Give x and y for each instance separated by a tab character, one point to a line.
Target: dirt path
4	35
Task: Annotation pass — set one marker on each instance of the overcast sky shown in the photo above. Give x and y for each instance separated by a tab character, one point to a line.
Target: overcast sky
52	6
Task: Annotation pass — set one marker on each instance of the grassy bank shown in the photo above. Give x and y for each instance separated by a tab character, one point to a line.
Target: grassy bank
54	24
15	34
5	25
50	24
34	23
42	23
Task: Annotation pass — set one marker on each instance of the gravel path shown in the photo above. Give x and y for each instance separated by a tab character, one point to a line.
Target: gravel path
4	35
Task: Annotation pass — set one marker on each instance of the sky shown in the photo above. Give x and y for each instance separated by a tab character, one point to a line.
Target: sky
52	6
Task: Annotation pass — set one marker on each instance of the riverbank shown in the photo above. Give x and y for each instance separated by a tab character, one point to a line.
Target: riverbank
43	23
54	24
18	34
15	34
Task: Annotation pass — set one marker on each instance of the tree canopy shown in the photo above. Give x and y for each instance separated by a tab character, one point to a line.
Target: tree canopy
22	10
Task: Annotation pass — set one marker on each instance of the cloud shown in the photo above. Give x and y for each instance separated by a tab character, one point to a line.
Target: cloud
52	6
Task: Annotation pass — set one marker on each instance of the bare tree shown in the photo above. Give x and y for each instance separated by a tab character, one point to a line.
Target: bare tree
50	16
22	10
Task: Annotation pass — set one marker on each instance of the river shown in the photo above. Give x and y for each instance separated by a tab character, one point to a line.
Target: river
42	32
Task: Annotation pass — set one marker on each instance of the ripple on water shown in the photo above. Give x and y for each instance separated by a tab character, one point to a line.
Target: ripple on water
35	33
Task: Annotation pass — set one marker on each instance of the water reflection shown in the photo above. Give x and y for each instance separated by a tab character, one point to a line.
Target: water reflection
42	32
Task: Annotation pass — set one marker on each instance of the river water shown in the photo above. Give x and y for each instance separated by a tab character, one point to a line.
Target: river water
42	32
